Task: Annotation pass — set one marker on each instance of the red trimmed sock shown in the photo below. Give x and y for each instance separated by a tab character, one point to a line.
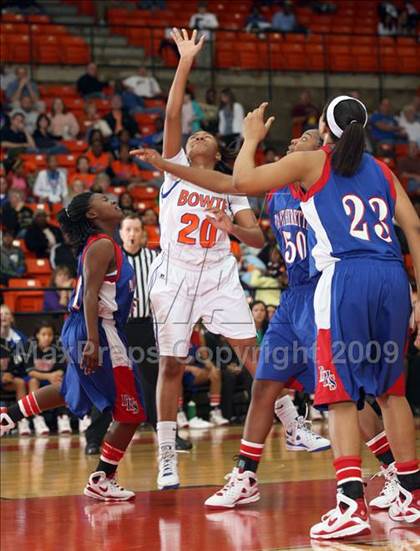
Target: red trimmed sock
29	406
215	400
110	458
348	472
380	448
250	455
409	474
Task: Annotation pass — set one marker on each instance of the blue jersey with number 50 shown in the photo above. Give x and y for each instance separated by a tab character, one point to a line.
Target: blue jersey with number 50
291	231
351	217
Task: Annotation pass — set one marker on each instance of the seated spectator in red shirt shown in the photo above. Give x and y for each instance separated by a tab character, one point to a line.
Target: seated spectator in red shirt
16	136
409	168
57	300
17	177
41	236
83	172
64	125
44	140
305	114
99	159
124	168
15	215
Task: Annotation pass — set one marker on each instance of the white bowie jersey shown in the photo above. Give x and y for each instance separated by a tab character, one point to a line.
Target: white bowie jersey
186	234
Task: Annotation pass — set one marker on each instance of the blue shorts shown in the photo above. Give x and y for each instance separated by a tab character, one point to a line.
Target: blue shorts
362	310
286	352
115	385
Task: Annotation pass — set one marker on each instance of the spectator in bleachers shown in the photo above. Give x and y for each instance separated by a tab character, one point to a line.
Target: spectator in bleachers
40	236
267	287
411	16
11	382
62	255
99	159
101	184
284	20
62	281
271	310
16	216
259	313
124	168
384	126
12	259
46	365
3	189
30	112
150	218
92	119
88	85
154	140
410	124
126	204
118	118
191	116
211	111
304	114
231	117
51	183
76	188
64	125
387	27
45	142
7	75
16	136
204	21
21	86
17	177
83	172
409	168
387	9
256	21
138	87
14	338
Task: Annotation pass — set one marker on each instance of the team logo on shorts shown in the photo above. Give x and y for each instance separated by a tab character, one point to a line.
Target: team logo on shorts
129	403
327	378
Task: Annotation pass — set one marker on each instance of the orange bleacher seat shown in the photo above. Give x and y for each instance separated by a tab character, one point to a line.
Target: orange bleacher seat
338	39
153	102
153	236
147	129
366	63
24	301
66	161
148	193
16	48
40	269
14	28
49	29
388	61
118	190
226	59
38	206
12	17
401	149
341	62
315	55
250	60
77	147
146	118
58	90
149	174
34	159
37	18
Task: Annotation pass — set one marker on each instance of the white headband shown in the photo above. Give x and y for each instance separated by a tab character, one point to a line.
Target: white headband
333	126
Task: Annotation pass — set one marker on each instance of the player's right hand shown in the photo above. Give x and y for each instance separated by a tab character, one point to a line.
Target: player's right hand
90	357
149	156
187	47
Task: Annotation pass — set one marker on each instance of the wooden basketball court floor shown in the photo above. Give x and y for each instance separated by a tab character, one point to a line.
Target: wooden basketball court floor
43	509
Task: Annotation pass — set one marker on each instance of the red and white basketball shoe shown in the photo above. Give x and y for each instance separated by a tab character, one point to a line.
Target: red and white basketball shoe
241	488
106	489
6	423
406	508
349	518
389	492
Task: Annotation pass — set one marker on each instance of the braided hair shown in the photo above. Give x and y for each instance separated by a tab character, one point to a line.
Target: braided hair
74	222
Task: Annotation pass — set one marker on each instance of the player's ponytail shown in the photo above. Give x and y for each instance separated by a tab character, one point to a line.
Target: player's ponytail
74	223
346	118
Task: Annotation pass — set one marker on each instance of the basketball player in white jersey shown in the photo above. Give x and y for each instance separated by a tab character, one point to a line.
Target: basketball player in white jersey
195	276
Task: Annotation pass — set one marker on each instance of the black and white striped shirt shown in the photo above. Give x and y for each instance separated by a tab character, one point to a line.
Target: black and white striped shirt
141	262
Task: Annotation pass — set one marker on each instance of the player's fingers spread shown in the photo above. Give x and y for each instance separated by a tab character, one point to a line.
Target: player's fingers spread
184	34
194	35
175	34
136	151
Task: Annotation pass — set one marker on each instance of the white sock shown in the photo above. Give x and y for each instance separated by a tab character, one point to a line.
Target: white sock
285	410
166	433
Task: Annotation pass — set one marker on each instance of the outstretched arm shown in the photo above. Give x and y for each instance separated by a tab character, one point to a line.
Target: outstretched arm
188	49
409	222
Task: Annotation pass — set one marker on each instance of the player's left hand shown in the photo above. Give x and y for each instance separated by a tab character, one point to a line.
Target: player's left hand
220	220
90	357
149	156
415	323
255	128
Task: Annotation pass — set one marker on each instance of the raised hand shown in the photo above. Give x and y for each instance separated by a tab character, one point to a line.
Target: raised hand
149	156
254	126
187	47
